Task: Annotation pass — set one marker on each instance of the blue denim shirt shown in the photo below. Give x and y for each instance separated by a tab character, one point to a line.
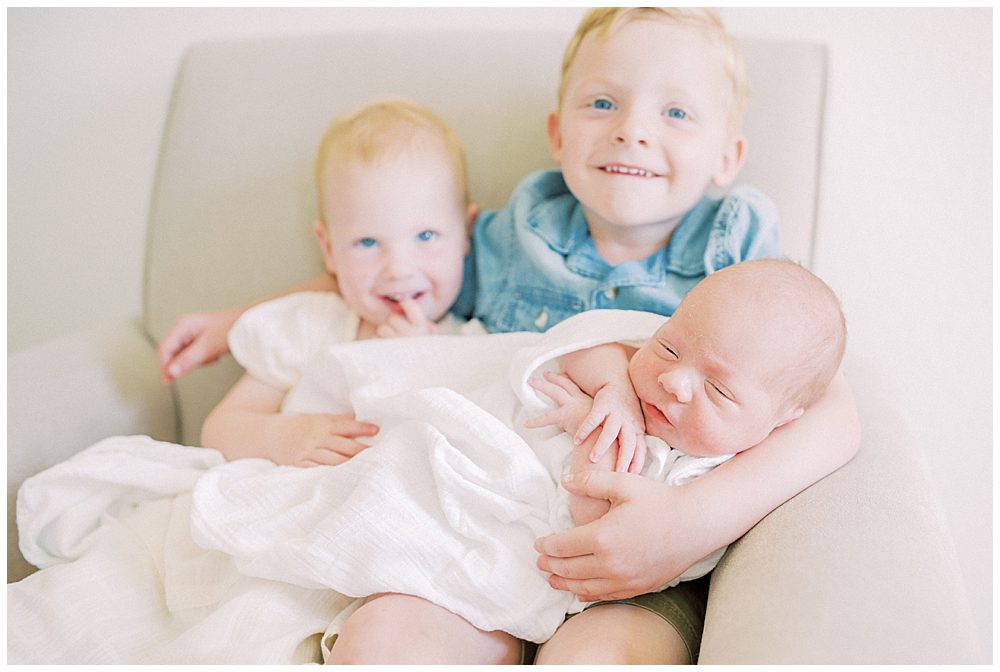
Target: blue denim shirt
533	263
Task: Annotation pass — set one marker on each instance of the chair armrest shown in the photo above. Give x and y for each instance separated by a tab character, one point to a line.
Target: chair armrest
859	568
69	393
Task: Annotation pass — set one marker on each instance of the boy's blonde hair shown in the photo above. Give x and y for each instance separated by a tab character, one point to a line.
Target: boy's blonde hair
386	129
603	20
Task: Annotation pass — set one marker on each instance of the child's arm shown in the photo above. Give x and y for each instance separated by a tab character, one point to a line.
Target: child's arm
679	525
602	372
247	423
201	338
571	406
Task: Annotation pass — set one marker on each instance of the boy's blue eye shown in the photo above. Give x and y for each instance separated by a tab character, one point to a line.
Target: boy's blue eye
366	242
677	113
603	104
427	235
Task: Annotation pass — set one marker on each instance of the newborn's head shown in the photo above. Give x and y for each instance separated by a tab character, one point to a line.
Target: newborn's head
748	350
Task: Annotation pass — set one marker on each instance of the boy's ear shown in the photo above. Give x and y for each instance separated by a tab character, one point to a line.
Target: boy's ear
319	228
555	136
732	161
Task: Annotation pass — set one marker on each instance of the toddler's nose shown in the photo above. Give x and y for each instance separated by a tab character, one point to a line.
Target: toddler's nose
398	264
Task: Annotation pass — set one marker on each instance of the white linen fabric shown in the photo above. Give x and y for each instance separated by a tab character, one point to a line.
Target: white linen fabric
122	581
249	561
275	340
447	503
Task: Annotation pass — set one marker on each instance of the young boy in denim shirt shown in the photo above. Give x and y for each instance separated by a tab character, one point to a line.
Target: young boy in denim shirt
650	106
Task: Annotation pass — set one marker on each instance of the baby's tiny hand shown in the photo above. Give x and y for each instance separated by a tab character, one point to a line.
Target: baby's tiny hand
413	322
571	403
618	410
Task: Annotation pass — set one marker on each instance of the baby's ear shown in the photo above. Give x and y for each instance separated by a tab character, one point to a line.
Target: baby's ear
733	156
319	228
793	413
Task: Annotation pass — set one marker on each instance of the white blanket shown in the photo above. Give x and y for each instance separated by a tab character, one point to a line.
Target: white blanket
122	581
446	504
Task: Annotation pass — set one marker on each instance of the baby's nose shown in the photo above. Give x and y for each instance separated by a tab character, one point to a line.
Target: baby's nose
677	383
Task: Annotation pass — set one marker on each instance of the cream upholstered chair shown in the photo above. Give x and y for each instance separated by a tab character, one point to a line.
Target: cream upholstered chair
860	568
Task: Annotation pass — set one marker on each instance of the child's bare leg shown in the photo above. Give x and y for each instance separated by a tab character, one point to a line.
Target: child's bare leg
390	628
586	509
614	634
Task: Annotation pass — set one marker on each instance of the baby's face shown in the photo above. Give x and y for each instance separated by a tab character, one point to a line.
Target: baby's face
396	230
644	125
707	378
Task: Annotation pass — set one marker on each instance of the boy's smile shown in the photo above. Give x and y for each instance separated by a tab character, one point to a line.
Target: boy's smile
630	171
644	131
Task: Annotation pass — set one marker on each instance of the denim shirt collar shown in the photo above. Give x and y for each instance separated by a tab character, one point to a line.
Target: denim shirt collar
557	217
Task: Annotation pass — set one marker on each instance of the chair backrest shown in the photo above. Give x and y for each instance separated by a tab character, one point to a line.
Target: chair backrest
234	198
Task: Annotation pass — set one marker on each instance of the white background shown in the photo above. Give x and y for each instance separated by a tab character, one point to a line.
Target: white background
905	218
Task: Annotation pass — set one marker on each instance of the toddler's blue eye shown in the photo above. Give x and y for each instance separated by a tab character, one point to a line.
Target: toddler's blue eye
427	235
677	113
366	242
603	104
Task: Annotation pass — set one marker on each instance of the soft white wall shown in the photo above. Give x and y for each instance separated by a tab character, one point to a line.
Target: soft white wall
905	218
906	232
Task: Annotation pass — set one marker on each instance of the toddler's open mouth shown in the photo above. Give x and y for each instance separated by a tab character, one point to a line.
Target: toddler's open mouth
393	300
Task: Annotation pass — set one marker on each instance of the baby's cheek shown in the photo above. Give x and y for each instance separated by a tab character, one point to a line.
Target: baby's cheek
705	438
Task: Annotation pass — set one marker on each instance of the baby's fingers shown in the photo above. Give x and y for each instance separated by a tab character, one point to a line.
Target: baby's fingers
544	420
563	381
549	389
639	459
626	451
587	427
607	437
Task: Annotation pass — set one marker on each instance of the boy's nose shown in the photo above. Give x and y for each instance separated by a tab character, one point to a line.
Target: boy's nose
630	130
677	383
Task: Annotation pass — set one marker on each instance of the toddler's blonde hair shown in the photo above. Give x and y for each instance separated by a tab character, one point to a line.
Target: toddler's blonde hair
383	130
603	20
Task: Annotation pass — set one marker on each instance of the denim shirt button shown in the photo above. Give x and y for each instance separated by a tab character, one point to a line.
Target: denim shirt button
542	319
610	293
